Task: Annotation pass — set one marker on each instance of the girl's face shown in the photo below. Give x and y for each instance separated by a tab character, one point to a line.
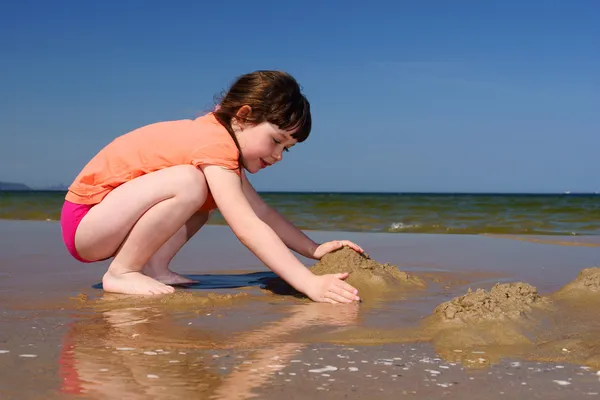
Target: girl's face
262	145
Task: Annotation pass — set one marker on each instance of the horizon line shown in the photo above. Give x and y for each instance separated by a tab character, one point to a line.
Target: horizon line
375	192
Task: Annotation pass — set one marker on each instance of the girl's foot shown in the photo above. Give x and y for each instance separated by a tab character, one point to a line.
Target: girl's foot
133	283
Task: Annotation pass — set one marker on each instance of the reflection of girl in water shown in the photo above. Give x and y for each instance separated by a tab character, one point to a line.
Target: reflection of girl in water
144	353
114	355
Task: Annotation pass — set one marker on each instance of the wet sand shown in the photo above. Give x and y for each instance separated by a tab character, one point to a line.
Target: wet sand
229	338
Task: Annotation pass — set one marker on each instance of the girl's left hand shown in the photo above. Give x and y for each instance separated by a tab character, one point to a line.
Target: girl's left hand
328	247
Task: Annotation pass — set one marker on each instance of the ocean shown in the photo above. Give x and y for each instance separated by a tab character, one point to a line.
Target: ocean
441	213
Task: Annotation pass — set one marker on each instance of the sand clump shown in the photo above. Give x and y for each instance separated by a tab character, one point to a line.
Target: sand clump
508	300
485	320
364	271
478	320
372	279
587	283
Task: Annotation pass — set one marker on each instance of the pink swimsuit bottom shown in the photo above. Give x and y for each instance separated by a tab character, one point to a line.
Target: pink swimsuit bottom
72	214
70	217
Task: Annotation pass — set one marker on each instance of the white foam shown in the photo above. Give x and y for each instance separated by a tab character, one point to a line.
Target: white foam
400	226
328	368
562	383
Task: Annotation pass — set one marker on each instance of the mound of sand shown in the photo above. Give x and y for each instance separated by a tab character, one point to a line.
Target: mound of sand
372	279
508	300
586	283
509	321
484	320
363	270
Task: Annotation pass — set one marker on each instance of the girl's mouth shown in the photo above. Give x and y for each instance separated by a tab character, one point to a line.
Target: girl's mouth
263	164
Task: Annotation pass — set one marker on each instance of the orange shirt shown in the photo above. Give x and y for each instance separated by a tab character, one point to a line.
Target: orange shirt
197	142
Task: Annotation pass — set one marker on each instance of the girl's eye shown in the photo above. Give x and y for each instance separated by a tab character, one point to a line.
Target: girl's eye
278	142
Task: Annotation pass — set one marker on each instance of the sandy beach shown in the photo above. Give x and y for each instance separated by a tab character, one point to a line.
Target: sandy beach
229	338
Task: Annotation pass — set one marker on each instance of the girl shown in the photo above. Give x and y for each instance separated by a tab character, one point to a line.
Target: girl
144	195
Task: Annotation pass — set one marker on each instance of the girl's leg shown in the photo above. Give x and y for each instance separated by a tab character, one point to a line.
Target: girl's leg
158	265
135	220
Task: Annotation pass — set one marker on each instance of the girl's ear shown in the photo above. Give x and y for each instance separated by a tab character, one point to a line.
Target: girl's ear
243	113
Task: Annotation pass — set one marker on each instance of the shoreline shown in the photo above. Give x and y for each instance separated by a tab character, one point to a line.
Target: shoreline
572	240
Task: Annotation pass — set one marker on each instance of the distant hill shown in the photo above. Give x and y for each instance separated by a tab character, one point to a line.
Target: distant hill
13	186
60	187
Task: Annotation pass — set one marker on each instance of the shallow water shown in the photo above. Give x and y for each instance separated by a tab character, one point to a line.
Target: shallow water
63	338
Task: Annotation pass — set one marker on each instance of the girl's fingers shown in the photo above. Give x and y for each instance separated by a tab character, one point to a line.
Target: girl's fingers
337	298
352	245
342	275
347	287
346	291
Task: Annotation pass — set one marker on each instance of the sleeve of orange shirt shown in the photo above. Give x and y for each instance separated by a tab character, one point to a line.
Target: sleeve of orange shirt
223	154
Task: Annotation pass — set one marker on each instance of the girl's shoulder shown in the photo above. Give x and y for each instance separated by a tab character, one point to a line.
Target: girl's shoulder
215	144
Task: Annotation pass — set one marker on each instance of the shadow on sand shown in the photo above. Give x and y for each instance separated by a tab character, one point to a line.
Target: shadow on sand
223	281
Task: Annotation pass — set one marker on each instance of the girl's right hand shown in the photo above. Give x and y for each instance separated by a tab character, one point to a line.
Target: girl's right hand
331	288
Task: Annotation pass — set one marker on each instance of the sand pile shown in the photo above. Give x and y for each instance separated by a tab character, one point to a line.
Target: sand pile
485	321
513	320
586	283
366	274
509	300
372	279
510	320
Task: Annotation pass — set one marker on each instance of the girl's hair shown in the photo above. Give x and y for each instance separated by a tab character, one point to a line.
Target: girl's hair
273	96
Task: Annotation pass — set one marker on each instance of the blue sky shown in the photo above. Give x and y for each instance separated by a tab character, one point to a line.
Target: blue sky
477	96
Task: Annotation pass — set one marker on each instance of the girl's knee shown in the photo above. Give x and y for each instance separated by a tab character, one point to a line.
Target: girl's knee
191	184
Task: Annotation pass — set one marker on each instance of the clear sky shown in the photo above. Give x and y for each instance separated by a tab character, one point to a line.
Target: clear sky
406	95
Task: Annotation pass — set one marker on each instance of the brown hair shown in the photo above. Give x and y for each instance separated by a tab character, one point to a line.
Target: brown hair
273	96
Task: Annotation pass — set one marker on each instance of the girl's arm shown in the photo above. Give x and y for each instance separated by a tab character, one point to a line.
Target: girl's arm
293	237
226	188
